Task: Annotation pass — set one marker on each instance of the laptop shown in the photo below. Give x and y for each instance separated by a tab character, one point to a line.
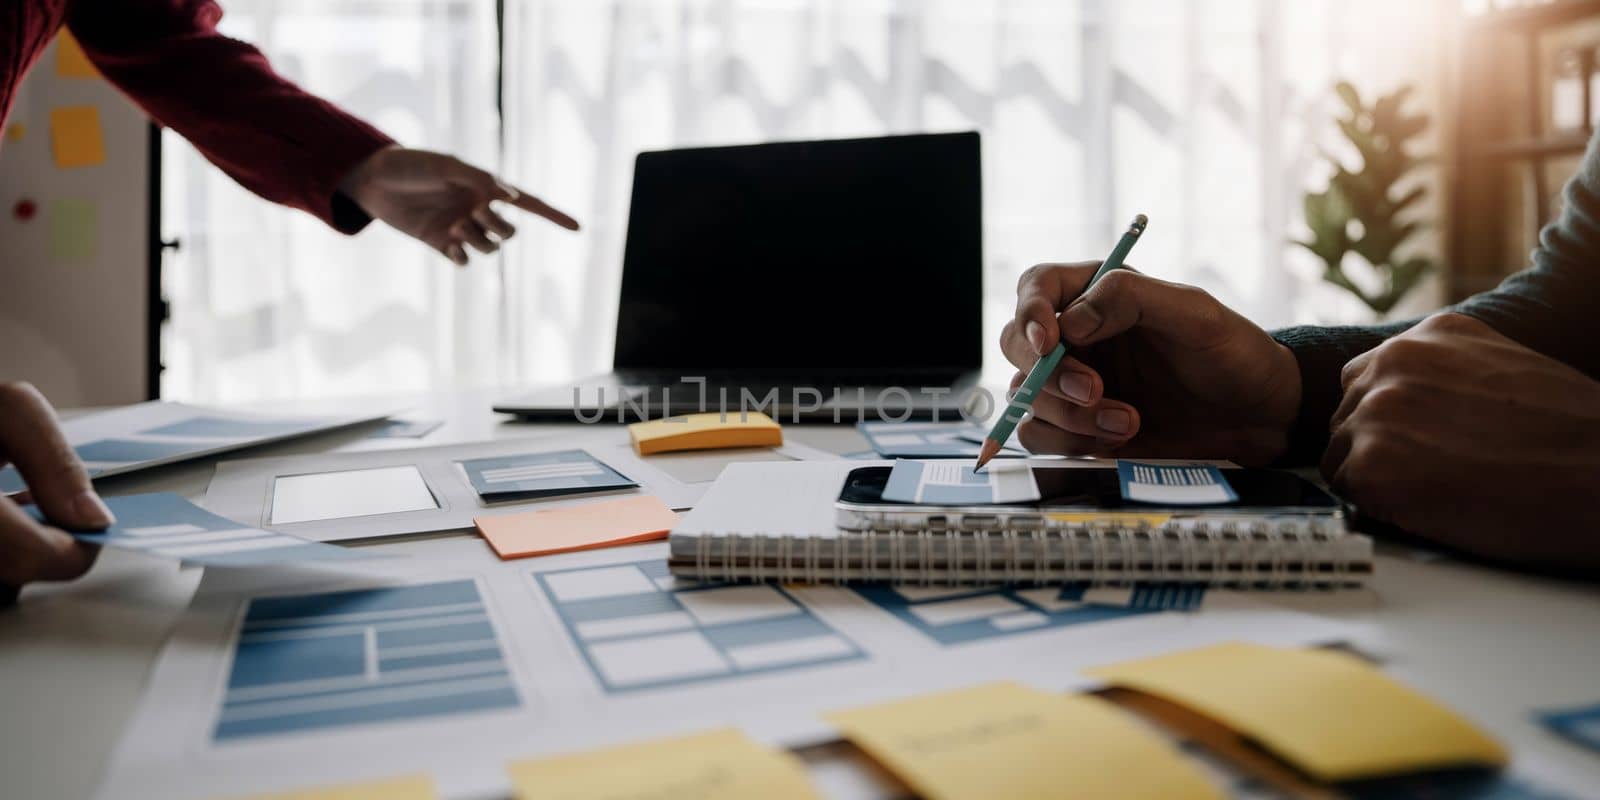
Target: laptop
831	280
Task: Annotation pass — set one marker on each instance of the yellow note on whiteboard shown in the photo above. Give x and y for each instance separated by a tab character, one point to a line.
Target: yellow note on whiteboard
414	787
721	765
1330	714
75	136
1006	740
70	60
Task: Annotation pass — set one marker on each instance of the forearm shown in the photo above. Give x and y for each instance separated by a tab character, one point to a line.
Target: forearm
1550	307
222	95
1321	353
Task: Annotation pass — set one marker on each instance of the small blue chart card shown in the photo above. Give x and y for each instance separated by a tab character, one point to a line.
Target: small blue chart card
954	483
542	475
1580	725
1185	485
928	439
169	526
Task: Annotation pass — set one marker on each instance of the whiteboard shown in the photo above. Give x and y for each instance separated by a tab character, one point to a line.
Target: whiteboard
75	277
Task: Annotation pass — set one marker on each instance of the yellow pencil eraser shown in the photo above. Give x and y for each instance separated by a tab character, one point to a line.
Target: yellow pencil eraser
709	431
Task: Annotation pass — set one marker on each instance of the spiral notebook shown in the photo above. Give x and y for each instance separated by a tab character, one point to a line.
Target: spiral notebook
782	522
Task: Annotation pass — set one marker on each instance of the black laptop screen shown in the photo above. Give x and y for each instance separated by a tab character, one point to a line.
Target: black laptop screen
860	255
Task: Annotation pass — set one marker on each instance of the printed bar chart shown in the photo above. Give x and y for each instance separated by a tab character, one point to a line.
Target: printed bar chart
348	658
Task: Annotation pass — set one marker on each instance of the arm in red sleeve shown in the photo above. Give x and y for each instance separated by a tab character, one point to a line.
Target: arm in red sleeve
223	96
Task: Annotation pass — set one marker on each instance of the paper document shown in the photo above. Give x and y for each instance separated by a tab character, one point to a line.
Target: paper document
169	526
152	434
952	483
602	523
451	662
721	765
1190	485
929	439
1006	740
1282	699
351	493
406	429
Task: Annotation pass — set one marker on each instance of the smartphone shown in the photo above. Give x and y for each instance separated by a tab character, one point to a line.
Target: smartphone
1075	493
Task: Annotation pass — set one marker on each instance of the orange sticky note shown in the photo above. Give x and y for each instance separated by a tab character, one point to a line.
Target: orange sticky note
70	60
604	523
75	136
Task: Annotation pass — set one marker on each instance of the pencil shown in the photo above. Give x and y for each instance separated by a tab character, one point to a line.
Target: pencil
1022	401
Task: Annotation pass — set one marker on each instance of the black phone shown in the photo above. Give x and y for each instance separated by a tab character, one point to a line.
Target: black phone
1076	486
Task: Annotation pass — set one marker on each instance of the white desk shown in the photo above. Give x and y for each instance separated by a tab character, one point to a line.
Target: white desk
73	657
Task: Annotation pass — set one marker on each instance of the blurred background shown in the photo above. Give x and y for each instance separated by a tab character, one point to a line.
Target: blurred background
1422	180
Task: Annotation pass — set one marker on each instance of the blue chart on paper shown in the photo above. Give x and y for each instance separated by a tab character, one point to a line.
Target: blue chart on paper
225	428
959	615
1581	725
638	629
309	662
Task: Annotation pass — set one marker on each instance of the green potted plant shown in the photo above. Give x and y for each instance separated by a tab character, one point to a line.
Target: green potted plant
1363	211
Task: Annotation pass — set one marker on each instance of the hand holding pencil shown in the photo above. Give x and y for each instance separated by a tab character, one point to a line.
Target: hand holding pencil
1150	369
1022	400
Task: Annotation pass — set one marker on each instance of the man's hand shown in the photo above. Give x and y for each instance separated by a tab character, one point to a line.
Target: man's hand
1155	369
1453	432
440	201
29	551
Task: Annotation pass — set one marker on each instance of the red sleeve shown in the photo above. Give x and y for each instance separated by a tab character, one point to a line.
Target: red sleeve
222	95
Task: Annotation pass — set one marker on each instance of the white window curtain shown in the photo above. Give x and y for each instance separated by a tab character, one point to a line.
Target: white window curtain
268	302
1208	115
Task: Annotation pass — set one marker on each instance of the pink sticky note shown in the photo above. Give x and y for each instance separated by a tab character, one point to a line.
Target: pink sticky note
603	523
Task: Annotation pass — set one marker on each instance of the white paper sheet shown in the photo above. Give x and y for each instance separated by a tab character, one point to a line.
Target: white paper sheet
586	670
351	493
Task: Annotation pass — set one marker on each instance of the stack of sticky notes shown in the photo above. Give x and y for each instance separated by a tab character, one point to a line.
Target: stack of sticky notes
721	765
1328	714
607	523
712	431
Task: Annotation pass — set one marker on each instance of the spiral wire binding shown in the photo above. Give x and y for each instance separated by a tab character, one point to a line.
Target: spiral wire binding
1202	552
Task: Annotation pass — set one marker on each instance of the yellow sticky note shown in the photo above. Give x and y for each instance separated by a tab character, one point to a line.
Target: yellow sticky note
413	787
603	523
74	230
75	136
1330	714
721	765
70	60
1006	740
15	131
705	432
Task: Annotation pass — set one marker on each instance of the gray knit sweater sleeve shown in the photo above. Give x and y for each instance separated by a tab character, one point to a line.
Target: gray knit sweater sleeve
1552	307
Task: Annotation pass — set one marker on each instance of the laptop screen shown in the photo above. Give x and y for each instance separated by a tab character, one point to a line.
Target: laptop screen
857	256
